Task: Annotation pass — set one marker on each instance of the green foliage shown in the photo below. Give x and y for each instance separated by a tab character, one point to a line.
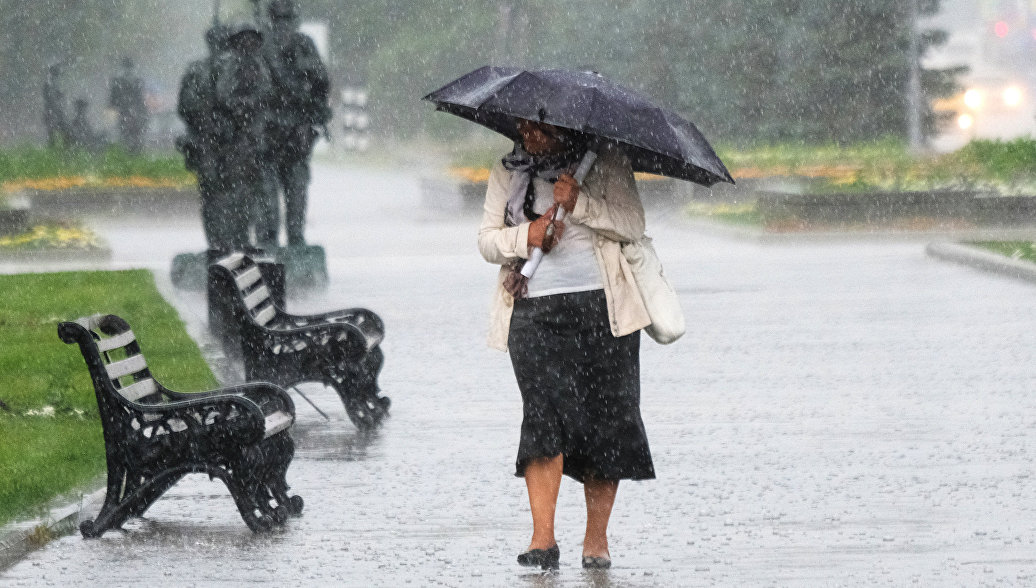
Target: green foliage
750	70
1004	161
742	70
796	155
418	61
43	456
30	163
1003	166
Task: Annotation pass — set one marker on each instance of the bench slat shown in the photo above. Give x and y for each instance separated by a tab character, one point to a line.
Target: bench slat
261	294
120	340
125	367
138	390
248	277
277	422
232	261
266	315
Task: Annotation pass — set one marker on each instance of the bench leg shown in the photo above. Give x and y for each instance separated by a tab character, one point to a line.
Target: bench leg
243	492
121	503
276	476
257	481
356	383
292	504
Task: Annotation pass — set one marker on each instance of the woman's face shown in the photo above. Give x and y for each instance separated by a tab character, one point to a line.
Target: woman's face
539	138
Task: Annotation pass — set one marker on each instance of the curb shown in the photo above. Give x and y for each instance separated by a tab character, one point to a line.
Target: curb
117	201
760	235
19	539
983	259
103	253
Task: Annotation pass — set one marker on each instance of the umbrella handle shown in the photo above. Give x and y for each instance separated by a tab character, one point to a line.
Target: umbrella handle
530	265
584	166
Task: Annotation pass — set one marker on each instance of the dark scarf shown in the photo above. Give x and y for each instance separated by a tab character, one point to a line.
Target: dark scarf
523	167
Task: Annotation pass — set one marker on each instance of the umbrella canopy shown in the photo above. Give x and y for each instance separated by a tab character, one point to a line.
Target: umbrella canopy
658	140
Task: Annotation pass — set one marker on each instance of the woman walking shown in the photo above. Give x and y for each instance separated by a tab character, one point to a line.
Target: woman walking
574	335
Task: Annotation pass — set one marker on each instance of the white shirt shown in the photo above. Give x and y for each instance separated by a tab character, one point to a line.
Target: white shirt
608	204
571	265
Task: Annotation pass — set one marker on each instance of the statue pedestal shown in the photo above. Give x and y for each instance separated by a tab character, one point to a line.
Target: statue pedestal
305	267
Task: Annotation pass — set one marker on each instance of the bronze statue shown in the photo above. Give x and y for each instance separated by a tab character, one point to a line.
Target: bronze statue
208	133
54	108
298	109
243	94
126	96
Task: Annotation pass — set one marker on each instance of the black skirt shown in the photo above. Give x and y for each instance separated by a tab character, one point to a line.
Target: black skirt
580	388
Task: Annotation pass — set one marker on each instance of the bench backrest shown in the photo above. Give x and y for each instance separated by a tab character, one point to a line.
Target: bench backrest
248	279
121	358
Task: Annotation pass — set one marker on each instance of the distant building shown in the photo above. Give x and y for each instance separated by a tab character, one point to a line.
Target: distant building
996	40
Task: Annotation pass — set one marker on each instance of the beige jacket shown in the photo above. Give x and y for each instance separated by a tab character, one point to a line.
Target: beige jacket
609	204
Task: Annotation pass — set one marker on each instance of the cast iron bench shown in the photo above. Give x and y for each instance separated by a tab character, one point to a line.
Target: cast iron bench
154	436
340	349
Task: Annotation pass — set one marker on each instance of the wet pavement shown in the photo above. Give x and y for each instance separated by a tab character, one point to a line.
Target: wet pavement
839	413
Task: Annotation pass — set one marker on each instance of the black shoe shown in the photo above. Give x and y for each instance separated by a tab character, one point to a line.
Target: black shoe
547	559
596	563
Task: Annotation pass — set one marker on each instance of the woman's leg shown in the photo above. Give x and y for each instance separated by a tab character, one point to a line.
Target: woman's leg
600	496
543	479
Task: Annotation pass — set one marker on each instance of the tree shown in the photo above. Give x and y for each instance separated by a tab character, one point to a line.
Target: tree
742	70
848	80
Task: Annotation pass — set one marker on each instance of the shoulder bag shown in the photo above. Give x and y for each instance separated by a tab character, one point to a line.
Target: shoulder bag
663	305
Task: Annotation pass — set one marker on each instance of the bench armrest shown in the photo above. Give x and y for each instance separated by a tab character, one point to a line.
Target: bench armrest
365	321
320	337
269	397
247	425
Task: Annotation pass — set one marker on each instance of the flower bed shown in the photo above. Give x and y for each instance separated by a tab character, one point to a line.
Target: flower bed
47	180
58	239
73	182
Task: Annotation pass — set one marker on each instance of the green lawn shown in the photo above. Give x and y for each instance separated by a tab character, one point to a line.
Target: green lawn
50	433
18	163
1016	249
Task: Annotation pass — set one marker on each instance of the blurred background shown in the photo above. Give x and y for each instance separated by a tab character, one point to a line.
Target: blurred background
932	73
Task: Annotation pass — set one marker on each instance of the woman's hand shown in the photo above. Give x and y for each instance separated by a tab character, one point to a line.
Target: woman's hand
538	230
566	192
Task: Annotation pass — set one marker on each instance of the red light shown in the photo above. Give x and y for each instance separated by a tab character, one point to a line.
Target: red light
1000	29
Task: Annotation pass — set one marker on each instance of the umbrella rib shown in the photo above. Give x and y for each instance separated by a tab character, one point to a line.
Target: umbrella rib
594	93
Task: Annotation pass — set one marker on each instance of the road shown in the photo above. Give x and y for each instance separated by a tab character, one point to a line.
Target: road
839	413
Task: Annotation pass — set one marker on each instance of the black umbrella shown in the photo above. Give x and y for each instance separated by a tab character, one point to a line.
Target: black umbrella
658	140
